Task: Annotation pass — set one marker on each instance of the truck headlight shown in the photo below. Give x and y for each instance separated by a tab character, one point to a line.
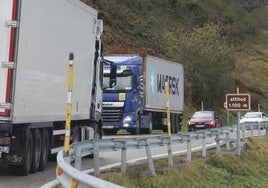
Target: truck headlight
127	119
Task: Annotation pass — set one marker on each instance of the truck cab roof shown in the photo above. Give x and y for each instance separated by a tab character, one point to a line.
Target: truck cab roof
125	60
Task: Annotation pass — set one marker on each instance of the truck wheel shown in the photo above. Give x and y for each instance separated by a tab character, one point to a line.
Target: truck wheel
36	150
28	151
136	131
109	132
44	150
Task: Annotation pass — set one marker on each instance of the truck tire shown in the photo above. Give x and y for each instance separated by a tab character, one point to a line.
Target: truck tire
109	131
137	129
24	169
44	150
36	150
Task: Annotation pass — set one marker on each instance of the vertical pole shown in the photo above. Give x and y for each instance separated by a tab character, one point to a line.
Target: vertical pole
124	157
69	106
202	105
243	132
204	150
228	117
189	148
78	158
228	140
149	157
168	109
238	134
238	128
96	150
218	146
170	158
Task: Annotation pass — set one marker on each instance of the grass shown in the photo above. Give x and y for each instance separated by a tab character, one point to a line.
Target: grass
250	169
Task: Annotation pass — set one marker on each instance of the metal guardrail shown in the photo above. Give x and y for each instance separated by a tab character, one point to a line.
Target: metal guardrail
68	176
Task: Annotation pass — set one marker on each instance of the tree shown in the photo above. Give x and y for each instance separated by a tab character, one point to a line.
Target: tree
207	63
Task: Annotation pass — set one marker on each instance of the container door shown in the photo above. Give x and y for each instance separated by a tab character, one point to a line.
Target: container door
7	34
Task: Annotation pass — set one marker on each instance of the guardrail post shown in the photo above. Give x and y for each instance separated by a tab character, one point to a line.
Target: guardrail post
204	149
217	139
170	158
243	132
123	156
259	129
189	148
78	159
149	156
251	130
227	140
266	126
96	152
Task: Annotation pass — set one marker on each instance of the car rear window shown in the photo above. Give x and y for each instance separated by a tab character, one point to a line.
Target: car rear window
253	115
202	114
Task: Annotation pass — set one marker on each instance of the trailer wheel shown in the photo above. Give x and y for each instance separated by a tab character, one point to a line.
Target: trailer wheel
28	152
24	169
175	125
36	150
75	134
44	150
149	130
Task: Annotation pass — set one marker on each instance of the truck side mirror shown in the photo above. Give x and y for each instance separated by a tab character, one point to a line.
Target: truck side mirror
113	75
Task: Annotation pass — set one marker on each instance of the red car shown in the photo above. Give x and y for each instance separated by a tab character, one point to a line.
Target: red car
204	120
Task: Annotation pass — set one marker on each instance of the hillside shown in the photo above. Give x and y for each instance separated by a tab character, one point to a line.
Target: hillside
221	44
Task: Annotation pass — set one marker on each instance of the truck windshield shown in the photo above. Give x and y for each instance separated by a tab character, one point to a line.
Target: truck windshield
124	83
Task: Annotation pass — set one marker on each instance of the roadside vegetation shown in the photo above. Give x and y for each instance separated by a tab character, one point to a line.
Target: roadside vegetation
250	169
221	44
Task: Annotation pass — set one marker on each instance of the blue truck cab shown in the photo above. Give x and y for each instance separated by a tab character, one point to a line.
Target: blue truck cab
122	103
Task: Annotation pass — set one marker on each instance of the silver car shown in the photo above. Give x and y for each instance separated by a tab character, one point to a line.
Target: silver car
254	117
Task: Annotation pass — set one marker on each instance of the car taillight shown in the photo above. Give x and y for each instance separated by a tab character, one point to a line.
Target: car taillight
4	141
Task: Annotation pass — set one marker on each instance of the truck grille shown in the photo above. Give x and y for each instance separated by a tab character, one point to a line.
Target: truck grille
112	114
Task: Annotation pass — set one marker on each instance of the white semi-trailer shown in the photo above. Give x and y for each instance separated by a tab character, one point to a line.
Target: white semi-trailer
36	38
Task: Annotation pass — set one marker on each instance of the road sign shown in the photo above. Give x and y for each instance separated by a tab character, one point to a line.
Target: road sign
238	101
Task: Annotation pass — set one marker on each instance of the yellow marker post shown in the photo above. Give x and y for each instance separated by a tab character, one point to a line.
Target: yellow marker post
168	109
69	106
